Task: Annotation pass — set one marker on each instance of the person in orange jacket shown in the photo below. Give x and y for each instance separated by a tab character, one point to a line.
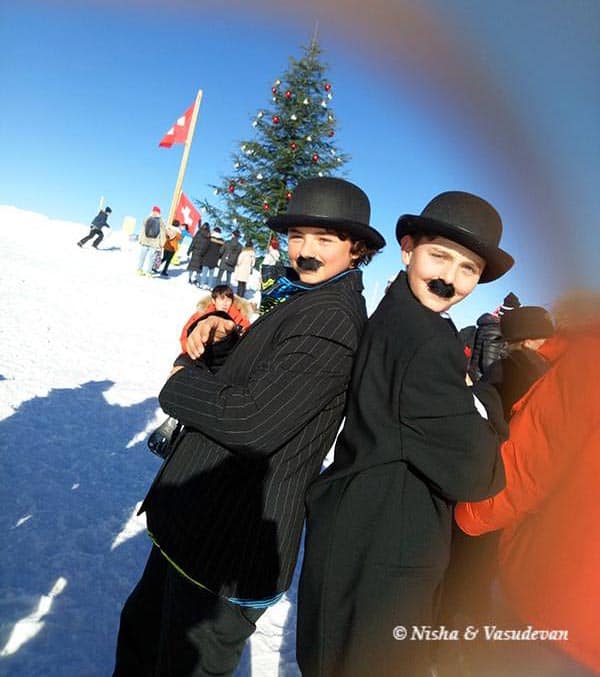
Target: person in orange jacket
222	301
170	247
549	555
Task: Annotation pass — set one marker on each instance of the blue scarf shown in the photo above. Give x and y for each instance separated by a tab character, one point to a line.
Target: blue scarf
278	291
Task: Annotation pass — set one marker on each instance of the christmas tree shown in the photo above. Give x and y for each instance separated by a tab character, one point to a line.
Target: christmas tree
294	140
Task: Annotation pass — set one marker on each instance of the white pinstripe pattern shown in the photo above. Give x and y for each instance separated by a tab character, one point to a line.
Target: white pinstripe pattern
228	506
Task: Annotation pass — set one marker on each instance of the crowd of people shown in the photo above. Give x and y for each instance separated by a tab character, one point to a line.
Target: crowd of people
211	259
461	496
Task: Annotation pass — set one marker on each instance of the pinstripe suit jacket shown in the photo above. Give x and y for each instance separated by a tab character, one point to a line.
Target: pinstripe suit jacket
227	507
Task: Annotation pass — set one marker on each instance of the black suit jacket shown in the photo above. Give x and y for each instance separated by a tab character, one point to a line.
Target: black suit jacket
379	518
227	507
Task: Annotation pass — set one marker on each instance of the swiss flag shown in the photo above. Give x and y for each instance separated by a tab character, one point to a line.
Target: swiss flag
187	214
179	131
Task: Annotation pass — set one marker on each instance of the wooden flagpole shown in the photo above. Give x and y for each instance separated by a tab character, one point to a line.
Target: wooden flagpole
184	159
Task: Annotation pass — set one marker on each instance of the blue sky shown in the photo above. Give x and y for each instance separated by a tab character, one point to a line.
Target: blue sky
497	98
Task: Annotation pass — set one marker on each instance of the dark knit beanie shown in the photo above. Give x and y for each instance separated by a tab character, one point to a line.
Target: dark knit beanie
526	322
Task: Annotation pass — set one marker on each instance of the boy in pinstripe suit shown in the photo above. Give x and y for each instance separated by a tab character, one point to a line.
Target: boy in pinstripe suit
225	512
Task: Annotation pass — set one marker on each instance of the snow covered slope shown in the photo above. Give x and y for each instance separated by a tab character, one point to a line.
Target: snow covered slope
85	346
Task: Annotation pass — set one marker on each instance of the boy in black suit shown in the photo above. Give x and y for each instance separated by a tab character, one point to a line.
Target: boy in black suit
226	510
380	517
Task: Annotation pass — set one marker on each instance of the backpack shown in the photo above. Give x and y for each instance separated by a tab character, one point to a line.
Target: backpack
152	226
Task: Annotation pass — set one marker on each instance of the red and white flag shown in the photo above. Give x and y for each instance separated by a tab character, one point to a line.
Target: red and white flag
179	131
187	214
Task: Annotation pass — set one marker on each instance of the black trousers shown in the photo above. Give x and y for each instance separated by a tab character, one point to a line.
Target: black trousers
166	259
241	288
170	626
97	232
228	274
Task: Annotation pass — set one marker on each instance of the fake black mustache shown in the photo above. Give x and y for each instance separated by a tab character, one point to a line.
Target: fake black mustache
309	263
440	288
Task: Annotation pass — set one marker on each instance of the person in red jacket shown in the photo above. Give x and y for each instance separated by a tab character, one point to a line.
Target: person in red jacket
549	555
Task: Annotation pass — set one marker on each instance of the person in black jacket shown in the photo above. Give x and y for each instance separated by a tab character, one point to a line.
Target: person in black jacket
525	330
210	262
229	253
225	512
99	222
379	518
485	340
196	251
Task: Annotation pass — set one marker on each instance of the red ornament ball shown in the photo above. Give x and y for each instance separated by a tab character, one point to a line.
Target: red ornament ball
331	133
231	188
315	158
274	90
294	145
275	119
327	87
266	206
288	94
288	195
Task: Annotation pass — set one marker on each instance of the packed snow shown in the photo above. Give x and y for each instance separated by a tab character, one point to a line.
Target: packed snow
86	346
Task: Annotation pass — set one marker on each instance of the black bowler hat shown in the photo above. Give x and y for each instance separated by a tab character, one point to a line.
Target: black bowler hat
468	220
526	322
330	203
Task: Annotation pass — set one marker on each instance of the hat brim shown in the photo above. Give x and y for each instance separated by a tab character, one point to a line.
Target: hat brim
497	261
357	230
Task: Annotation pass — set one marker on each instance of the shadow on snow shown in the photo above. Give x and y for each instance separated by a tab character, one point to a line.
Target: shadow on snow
67	488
